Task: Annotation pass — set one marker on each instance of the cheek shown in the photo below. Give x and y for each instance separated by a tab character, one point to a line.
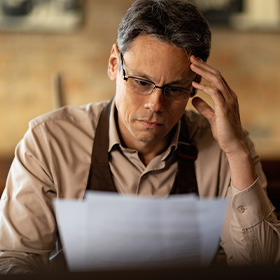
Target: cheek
124	105
127	103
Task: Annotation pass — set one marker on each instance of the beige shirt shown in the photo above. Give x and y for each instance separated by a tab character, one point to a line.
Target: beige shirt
53	160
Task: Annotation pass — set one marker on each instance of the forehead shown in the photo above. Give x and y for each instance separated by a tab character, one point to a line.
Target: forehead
157	59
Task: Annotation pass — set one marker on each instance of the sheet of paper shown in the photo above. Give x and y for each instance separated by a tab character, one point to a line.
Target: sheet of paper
110	231
211	215
71	216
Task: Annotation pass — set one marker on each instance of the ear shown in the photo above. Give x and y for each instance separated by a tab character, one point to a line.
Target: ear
113	65
197	79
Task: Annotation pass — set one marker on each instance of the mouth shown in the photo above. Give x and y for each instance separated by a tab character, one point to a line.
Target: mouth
150	124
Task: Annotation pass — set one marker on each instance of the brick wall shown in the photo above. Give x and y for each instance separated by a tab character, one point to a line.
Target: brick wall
249	61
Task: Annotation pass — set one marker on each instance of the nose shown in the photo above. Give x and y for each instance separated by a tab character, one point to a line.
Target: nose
155	101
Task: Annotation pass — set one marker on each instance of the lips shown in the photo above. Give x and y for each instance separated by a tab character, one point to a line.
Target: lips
150	124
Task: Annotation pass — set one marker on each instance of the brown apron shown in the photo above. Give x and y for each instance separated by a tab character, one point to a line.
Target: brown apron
100	176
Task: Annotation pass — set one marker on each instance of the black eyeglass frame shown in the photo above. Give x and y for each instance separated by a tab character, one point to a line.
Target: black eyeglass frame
192	91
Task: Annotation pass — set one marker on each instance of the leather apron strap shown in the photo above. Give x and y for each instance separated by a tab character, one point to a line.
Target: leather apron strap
185	180
100	176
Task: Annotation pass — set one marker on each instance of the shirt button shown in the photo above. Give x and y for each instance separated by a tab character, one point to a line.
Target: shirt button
241	209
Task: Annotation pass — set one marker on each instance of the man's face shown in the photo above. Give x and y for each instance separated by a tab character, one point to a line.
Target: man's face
148	119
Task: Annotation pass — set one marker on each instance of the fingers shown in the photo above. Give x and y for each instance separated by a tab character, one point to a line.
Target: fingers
224	117
203	108
218	89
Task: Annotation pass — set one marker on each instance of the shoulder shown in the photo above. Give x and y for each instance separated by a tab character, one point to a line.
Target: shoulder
74	115
62	136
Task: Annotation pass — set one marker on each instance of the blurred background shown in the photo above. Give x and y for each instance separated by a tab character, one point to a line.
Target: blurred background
55	52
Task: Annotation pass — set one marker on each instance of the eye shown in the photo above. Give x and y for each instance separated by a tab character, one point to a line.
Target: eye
177	93
142	83
176	90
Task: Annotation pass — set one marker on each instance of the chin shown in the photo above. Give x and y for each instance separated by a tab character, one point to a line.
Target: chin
148	138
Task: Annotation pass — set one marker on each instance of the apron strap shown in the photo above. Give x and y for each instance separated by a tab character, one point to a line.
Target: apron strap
100	176
185	180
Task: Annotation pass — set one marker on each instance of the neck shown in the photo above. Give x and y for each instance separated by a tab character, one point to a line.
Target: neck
148	152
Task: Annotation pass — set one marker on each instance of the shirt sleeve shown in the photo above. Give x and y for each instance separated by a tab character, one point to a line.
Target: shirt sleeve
51	161
27	222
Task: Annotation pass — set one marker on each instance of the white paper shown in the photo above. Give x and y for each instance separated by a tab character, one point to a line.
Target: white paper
211	216
110	231
71	217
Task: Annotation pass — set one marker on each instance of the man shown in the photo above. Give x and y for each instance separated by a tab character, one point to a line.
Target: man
143	143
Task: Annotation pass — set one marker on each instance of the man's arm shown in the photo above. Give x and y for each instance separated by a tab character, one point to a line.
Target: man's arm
225	123
254	229
27	223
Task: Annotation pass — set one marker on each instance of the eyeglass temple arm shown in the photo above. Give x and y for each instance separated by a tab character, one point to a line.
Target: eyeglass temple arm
121	55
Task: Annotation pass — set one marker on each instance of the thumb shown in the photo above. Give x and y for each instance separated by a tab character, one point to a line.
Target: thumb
203	108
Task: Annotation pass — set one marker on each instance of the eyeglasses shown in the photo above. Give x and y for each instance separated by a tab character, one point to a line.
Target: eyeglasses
145	87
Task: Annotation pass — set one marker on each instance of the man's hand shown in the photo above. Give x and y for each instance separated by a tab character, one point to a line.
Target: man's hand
225	122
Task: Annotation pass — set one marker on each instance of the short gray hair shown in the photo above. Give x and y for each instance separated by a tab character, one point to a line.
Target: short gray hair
173	21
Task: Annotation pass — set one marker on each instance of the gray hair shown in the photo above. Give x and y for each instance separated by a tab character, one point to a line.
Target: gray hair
172	21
